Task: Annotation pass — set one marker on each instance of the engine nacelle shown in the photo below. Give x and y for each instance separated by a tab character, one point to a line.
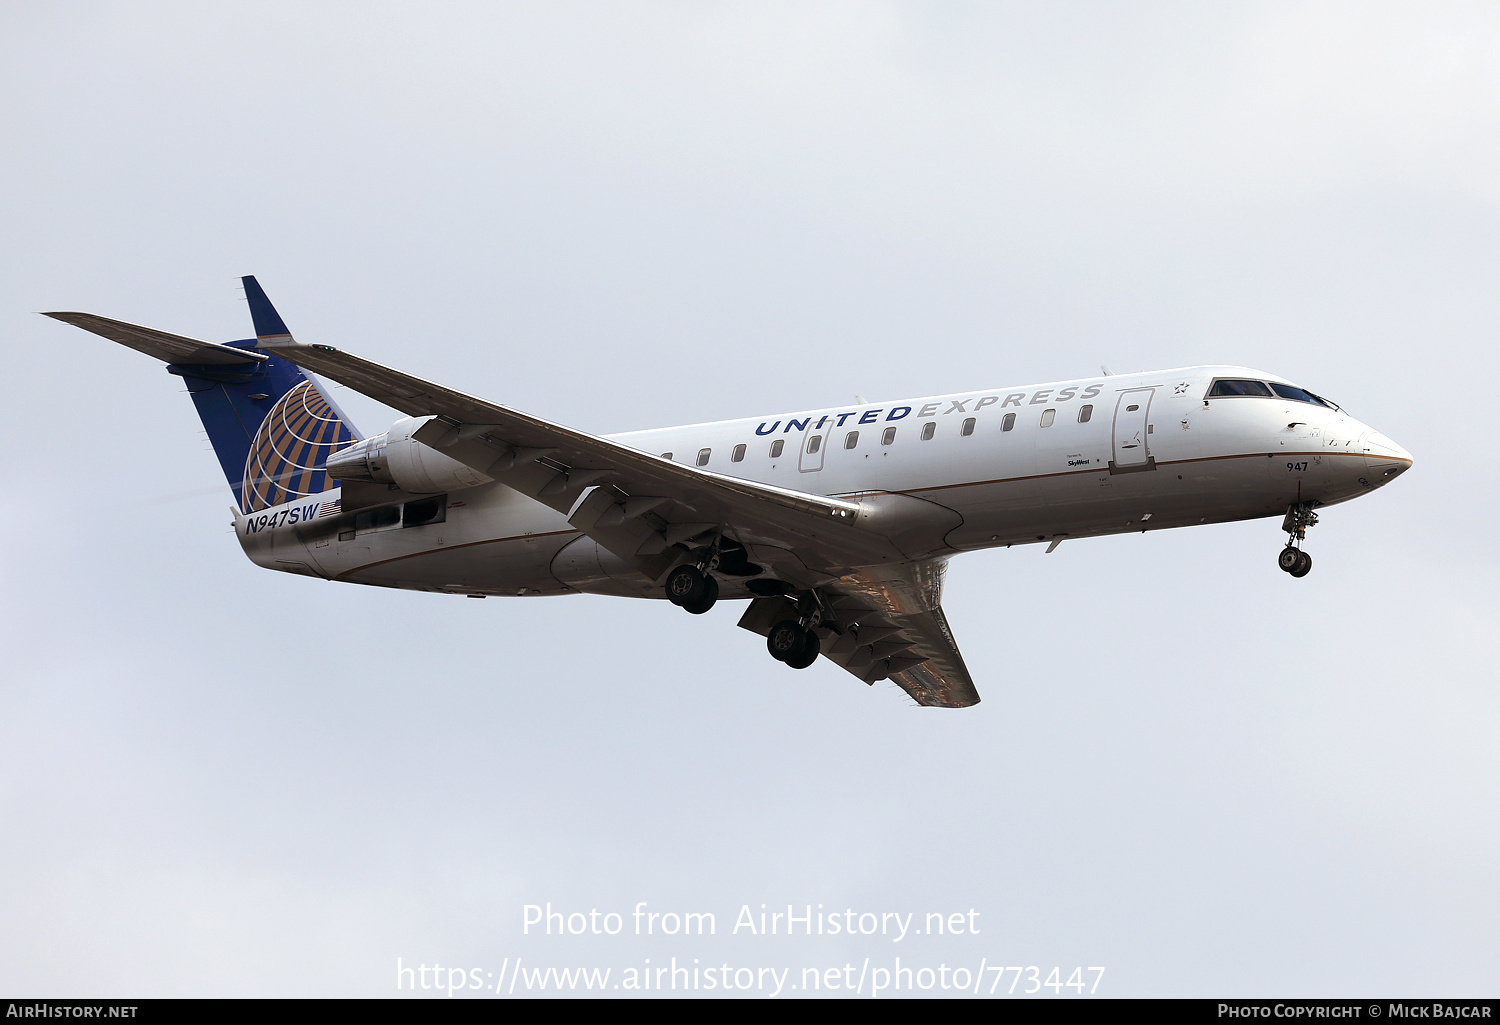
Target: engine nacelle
395	457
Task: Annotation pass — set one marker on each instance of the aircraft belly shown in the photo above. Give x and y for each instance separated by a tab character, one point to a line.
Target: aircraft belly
1326	477
280	550
499	566
582	565
1091	503
991	511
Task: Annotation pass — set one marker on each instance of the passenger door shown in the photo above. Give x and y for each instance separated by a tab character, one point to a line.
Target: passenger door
1132	432
814	444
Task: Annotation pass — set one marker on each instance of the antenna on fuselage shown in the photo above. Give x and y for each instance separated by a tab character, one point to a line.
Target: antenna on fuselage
1107	372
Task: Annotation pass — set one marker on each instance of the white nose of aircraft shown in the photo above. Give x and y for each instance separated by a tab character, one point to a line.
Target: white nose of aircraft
1386	459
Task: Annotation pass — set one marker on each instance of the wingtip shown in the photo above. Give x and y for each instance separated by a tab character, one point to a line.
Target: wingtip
66	316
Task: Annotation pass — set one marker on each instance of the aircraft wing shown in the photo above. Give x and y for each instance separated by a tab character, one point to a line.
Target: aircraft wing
881	615
647	503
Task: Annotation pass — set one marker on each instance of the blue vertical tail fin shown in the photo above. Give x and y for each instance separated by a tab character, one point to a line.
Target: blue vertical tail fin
285	458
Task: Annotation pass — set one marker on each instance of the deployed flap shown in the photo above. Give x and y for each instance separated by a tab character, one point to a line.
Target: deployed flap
915	650
942	680
674	502
883	623
166	347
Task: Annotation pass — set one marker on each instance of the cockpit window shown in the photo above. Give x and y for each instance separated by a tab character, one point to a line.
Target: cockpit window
1286	391
1230	387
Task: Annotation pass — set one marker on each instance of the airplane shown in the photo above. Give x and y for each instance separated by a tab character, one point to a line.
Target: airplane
836	524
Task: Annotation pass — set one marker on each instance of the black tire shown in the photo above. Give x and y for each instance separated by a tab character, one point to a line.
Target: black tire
1303	567
786	640
685	586
1288	558
808	655
703	604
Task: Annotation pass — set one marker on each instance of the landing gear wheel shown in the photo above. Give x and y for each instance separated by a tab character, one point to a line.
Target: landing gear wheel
786	640
686	585
1303	567
808	655
703	604
1288	559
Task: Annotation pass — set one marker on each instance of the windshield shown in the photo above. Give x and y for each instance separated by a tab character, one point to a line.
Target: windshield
1223	388
1228	387
1286	391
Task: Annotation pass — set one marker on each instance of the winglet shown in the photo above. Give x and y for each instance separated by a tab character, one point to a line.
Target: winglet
268	323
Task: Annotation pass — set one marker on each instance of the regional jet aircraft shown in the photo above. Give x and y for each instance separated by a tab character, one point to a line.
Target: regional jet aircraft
836	524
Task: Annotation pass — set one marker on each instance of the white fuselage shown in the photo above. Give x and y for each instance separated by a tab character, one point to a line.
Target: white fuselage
1150	452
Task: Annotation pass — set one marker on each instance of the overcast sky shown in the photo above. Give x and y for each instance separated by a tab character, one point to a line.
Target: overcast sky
1188	768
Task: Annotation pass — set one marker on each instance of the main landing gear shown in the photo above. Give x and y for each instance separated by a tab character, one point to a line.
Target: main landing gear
791	642
690	585
1293	559
795	641
690	588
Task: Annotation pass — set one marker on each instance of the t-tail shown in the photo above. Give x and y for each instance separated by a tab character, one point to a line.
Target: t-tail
272	426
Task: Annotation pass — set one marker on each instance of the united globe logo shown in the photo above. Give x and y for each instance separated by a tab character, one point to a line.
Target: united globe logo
288	452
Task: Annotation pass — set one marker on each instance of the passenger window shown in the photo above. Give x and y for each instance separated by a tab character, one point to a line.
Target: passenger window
1047	415
889	436
851	439
666	455
968	427
1223	388
1009	423
738	454
928	429
1085	414
703	454
776	447
814	443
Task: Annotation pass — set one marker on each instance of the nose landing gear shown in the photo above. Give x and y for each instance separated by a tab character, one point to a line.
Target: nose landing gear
1293	559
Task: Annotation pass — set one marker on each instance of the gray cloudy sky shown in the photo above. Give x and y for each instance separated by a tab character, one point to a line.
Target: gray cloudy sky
1187	768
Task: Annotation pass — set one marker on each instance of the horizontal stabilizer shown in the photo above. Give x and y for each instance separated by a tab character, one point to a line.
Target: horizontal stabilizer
271	426
169	348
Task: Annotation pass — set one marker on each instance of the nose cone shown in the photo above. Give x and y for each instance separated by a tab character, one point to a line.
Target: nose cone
1386	459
